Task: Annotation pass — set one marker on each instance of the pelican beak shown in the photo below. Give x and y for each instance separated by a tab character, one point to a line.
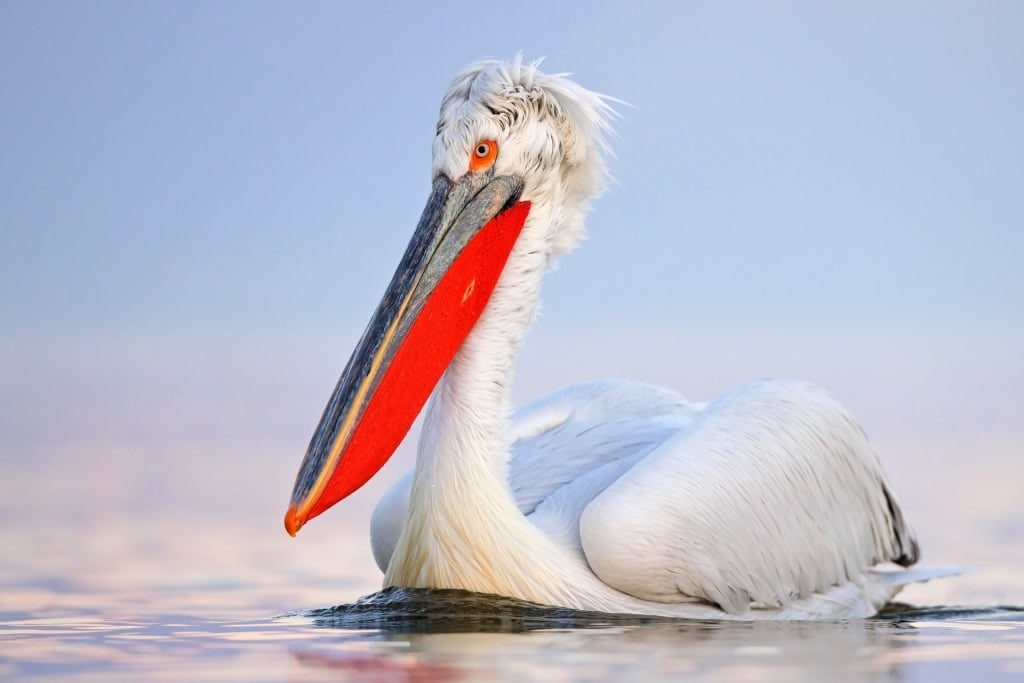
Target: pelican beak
441	287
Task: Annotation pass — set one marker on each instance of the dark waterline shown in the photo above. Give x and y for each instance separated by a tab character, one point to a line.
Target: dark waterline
405	610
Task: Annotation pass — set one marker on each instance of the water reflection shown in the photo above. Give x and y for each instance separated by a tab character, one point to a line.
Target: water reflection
875	650
405	610
451	635
454	635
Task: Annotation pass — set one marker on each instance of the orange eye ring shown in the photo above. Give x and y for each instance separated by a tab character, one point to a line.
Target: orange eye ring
483	155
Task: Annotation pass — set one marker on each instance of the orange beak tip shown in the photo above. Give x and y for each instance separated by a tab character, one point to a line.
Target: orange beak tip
292	521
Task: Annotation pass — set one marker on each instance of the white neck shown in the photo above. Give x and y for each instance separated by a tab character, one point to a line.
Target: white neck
464	529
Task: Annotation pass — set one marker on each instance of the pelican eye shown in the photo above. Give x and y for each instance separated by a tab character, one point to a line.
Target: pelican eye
483	156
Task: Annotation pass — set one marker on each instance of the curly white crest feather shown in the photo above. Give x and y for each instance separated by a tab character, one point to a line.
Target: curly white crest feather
551	132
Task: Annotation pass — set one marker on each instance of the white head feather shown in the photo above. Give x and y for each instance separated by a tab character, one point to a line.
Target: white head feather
550	131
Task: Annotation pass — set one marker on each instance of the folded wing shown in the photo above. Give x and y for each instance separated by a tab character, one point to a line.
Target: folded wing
771	495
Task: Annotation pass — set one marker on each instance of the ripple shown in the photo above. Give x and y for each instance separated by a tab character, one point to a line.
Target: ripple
408	610
415	610
899	612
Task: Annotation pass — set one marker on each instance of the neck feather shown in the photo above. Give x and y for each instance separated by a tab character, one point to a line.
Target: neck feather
464	529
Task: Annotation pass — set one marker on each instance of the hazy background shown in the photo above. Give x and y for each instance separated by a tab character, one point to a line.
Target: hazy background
200	204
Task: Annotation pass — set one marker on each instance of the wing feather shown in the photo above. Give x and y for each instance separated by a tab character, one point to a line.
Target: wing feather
580	428
771	495
556	440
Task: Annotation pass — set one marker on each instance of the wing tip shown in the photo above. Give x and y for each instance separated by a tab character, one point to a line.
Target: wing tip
905	550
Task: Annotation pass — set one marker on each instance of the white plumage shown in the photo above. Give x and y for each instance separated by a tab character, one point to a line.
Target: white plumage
767	502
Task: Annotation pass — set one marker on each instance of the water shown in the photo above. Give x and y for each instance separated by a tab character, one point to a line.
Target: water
125	593
445	635
141	537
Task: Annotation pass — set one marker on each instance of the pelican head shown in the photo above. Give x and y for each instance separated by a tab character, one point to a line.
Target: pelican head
517	157
551	133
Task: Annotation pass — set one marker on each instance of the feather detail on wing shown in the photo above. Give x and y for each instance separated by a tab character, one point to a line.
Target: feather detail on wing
557	439
765	499
566	434
772	494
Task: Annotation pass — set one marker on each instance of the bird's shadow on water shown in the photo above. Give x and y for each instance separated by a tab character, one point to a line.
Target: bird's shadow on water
408	610
404	610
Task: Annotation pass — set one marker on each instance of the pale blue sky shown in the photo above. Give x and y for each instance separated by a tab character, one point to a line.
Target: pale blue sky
201	203
195	164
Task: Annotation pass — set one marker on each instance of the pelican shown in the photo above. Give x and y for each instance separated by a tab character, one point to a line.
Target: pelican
765	503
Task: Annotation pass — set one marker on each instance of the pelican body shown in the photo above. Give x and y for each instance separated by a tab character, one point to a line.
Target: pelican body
765	503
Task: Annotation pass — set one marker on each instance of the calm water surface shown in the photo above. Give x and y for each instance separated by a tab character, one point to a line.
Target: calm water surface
116	593
445	637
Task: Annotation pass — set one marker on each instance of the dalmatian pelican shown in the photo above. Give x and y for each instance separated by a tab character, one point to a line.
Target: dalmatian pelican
765	503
